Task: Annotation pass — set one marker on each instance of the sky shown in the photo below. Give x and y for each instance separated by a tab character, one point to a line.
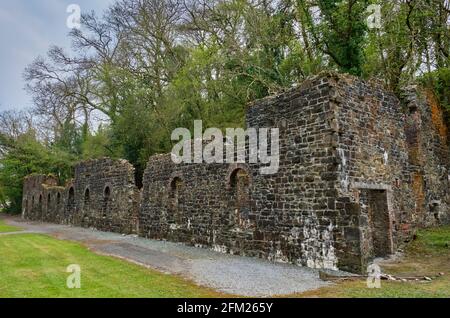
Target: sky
27	29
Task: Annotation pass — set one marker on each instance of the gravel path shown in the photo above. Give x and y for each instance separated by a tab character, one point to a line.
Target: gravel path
226	273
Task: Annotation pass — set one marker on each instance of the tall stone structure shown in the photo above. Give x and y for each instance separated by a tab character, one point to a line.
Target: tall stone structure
359	172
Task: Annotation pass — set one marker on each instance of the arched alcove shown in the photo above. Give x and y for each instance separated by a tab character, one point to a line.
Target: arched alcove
106	201
239	185
87	197
174	213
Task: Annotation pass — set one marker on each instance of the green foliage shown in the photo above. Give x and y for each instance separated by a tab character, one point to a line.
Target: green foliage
98	145
26	156
151	66
344	30
70	138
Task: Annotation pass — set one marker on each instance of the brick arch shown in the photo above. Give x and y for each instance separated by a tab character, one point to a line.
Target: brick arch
239	184
25	207
58	206
107	188
106	199
48	206
87	196
173	185
174	213
85	218
71	196
40	206
232	170
70	204
173	176
33	207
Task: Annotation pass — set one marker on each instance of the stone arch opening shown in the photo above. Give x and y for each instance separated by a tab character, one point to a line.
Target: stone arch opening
71	203
139	176
106	201
86	203
40	207
175	186
58	204
174	215
87	197
49	202
32	208
71	199
25	207
377	229
239	185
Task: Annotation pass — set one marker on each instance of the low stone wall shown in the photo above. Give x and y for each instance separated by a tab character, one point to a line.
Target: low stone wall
204	205
102	196
40	197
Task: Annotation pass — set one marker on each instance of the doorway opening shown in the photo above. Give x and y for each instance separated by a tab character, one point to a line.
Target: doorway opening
378	222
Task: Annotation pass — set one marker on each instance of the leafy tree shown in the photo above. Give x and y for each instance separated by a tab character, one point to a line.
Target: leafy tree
343	33
145	67
23	156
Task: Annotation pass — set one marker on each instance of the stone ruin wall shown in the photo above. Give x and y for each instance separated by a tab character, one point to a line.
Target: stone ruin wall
42	199
102	196
348	148
373	192
297	201
428	147
235	209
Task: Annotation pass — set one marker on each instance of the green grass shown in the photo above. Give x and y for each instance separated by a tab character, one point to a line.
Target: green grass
428	255
7	228
435	240
34	265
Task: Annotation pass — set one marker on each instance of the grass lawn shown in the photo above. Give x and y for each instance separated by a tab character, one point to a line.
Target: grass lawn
34	265
7	228
428	255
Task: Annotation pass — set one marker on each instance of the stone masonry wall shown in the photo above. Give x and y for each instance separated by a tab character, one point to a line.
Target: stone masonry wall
427	139
106	197
102	196
373	186
388	186
360	171
284	216
347	189
42	197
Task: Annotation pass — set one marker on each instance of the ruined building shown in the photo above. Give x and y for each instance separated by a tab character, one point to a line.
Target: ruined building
359	172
